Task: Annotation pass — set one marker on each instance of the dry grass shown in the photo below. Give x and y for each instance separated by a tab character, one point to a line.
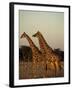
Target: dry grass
25	71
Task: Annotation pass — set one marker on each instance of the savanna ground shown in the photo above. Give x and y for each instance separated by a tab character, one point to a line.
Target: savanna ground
25	70
41	71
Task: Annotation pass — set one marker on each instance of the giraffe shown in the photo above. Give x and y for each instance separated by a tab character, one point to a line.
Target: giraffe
49	54
37	59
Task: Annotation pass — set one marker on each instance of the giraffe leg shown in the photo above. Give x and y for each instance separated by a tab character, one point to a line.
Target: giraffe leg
33	70
57	67
53	66
52	69
45	70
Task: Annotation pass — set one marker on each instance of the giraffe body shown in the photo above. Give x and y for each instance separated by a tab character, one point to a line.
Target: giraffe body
37	59
52	59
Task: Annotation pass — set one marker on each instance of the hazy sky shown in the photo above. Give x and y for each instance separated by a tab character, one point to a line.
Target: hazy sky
50	24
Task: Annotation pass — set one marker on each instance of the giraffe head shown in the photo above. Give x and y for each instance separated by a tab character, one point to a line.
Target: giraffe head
37	34
23	35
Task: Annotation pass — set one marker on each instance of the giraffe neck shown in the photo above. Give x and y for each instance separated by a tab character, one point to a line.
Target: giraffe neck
32	45
43	45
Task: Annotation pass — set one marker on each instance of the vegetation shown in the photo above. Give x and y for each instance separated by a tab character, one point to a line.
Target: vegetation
60	53
25	53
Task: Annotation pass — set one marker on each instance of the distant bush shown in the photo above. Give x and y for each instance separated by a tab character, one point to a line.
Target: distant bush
25	53
60	53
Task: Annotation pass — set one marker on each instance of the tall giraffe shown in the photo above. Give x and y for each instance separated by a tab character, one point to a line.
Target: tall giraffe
48	52
37	59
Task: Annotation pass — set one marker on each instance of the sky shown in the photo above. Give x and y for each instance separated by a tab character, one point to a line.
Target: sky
50	24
